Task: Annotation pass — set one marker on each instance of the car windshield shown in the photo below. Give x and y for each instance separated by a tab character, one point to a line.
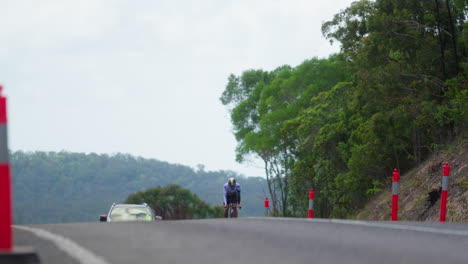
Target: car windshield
130	214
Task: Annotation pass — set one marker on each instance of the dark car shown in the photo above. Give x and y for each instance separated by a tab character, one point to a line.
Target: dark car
129	212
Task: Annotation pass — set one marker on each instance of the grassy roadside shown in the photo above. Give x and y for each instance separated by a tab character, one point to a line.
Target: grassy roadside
420	188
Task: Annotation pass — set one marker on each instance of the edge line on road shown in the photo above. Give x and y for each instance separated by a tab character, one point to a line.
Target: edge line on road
374	224
67	245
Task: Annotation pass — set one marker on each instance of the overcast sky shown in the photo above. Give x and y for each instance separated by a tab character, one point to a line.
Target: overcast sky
145	77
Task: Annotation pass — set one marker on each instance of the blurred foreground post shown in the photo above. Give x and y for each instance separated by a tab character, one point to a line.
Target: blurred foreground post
7	253
443	200
6	237
266	204
395	181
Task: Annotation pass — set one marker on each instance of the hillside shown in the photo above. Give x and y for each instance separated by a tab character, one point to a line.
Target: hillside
60	187
420	190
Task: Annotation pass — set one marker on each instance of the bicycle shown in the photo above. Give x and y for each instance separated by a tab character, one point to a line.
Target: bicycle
232	208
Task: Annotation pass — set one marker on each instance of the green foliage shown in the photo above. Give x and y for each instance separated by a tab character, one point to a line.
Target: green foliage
455	111
173	203
340	125
265	115
59	187
376	188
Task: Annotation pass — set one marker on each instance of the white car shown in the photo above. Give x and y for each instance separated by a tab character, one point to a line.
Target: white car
129	212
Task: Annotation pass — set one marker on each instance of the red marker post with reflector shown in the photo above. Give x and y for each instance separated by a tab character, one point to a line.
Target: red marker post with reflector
443	200
395	182
311	203
8	254
6	218
266	204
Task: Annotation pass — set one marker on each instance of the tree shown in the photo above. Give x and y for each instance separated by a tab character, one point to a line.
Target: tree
261	117
173	202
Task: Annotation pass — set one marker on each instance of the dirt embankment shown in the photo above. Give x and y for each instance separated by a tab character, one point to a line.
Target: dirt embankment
420	190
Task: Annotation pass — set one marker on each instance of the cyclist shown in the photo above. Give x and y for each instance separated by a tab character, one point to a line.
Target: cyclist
232	196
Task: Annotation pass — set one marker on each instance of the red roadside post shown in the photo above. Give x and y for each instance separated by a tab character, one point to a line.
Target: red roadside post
395	181
7	253
311	203
266	204
443	201
6	218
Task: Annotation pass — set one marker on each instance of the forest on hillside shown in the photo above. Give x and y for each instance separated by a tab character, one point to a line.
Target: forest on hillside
61	187
394	94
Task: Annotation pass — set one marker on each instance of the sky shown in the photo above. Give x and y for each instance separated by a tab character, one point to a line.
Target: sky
144	77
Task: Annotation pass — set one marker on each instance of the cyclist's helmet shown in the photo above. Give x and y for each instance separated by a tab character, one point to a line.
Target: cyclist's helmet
232	182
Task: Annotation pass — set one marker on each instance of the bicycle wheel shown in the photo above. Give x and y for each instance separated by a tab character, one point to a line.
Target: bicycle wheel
231	211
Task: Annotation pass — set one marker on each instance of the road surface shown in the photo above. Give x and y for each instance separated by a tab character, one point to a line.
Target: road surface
248	240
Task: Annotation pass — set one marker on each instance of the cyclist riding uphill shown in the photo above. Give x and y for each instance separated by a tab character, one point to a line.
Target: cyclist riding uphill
231	196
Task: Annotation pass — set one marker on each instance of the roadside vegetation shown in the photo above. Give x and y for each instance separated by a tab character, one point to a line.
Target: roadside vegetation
61	187
174	203
394	95
420	190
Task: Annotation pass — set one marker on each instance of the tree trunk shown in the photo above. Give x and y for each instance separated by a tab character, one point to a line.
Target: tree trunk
274	202
454	40
441	39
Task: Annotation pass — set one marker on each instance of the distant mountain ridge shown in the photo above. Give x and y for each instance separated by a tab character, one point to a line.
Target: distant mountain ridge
61	187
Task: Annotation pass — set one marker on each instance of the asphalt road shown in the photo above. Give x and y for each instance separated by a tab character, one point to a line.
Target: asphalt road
248	240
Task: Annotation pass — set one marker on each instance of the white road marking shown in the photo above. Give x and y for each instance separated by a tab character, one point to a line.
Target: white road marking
376	224
67	245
